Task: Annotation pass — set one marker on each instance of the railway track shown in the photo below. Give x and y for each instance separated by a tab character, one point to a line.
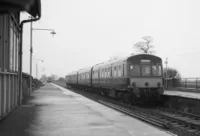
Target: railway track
177	122
180	123
136	114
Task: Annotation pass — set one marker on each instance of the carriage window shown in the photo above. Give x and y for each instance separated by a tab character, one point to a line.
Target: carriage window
123	70
99	74
106	72
146	70
119	71
116	71
96	74
109	74
134	70
156	70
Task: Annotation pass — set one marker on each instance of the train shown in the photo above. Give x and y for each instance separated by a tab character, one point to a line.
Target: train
135	78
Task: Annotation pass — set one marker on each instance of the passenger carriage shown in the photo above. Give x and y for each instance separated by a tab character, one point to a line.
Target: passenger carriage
72	79
84	77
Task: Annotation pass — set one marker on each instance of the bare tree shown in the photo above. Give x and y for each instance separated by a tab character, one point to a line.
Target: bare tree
145	46
61	79
172	78
54	77
114	58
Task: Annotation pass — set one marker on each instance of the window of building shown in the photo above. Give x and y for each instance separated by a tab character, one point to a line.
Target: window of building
11	44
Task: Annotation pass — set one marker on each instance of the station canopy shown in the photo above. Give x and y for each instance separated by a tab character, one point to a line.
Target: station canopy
33	7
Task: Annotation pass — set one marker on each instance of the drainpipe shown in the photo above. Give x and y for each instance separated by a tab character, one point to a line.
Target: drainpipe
20	56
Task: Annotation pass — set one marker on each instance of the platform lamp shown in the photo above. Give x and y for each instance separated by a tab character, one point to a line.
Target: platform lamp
166	62
31	47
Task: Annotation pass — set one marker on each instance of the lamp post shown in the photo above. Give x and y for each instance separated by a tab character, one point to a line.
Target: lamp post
31	47
166	62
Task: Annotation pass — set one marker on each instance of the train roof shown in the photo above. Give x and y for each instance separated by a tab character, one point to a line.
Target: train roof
121	60
84	70
111	62
72	73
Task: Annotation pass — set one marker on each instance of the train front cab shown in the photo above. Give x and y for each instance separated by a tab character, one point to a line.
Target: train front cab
145	76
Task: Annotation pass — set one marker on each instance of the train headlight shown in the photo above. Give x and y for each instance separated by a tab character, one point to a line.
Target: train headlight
146	84
158	84
133	84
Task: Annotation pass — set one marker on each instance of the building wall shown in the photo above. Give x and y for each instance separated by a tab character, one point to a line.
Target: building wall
9	48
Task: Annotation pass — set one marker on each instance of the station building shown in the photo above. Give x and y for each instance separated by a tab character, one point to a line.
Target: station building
11	31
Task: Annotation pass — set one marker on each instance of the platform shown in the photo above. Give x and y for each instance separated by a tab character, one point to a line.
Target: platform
192	95
56	111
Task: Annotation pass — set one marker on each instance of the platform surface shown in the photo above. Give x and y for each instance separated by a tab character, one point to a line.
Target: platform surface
193	95
56	111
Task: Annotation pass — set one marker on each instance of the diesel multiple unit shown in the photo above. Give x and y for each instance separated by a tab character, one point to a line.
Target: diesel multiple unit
133	78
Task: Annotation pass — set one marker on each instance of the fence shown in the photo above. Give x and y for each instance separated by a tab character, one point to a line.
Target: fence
184	83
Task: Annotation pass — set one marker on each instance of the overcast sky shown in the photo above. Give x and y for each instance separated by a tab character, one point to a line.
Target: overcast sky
92	31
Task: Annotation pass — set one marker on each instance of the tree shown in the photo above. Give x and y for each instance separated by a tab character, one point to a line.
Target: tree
145	46
114	58
171	73
53	77
61	79
43	78
172	78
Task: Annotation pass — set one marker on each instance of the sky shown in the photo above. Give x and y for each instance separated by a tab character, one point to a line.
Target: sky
92	31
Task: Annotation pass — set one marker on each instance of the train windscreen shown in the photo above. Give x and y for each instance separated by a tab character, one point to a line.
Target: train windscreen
156	70
145	69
